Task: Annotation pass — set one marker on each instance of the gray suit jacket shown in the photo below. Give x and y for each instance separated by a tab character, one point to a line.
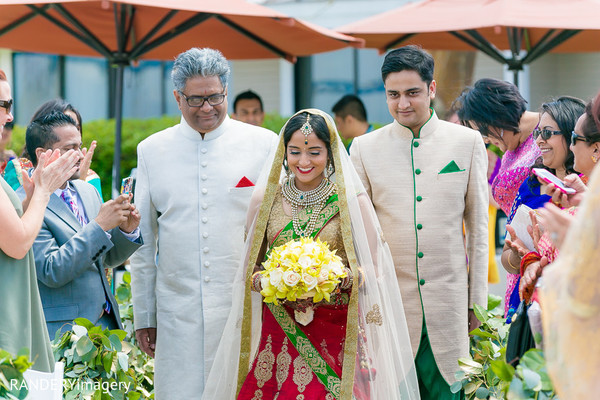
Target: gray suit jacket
70	261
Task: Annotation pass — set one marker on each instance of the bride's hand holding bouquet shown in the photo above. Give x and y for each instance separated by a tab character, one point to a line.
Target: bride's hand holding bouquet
304	271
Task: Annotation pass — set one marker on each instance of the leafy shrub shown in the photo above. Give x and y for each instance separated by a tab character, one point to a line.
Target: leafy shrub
11	374
105	364
100	364
487	375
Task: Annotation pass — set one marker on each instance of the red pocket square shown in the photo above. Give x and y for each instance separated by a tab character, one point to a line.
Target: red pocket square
244	182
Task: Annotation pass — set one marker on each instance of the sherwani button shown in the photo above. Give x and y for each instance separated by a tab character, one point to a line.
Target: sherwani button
419	198
204	177
422	282
206	264
205	249
204	220
419	226
204	190
420	254
418	171
204	163
204	206
203	151
416	144
207	279
205	235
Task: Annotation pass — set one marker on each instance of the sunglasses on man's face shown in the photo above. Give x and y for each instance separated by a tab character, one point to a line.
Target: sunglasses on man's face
6	104
575	137
545	133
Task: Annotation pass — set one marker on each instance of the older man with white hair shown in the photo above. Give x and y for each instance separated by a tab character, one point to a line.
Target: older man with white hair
193	188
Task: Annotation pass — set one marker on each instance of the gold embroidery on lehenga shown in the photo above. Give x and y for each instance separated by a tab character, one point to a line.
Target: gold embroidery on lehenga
264	366
313	359
374	316
302	375
283	365
258	395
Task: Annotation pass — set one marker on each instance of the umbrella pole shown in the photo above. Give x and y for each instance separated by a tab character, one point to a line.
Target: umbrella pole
116	170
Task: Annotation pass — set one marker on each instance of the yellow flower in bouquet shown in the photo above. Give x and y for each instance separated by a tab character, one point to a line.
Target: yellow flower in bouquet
301	269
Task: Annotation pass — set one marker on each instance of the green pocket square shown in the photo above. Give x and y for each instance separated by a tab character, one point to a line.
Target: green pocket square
451	167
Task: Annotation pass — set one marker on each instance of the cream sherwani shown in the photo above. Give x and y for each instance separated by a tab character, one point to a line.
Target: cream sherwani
422	189
193	217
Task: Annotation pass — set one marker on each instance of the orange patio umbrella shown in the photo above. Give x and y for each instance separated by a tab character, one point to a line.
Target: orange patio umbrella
123	31
528	28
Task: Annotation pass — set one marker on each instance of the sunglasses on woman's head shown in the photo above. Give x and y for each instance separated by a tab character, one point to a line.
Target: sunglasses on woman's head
575	137
545	133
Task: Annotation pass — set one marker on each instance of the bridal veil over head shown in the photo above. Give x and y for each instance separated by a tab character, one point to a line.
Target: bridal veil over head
570	303
375	305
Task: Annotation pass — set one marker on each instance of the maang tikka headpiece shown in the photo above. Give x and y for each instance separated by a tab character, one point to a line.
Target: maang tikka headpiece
306	129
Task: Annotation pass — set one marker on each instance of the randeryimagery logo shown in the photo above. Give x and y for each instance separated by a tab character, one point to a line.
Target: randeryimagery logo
42	385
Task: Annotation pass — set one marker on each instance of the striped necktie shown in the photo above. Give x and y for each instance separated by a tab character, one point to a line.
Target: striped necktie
68	198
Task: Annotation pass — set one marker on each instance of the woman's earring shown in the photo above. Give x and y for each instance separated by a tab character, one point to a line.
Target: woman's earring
288	173
594	159
330	170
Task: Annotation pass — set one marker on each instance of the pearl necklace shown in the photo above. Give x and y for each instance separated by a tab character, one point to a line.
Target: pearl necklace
314	199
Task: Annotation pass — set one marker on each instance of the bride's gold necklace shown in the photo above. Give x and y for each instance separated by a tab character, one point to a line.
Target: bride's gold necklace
314	199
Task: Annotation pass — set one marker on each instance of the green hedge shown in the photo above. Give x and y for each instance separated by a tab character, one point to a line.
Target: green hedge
133	132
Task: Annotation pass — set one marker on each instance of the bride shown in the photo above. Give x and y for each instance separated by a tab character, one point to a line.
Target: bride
354	346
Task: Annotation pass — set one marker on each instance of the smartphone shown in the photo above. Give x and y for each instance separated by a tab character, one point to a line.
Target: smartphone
548	177
126	184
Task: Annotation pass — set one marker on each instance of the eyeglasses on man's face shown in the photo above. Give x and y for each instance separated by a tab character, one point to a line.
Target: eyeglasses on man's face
545	133
575	137
7	104
198	101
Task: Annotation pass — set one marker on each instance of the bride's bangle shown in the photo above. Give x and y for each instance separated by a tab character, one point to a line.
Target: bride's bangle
255	282
348	280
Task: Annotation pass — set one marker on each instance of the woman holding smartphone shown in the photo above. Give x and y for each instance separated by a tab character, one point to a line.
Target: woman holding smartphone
586	149
570	290
553	137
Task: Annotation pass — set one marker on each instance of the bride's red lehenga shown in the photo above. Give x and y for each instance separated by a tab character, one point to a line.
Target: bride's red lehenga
278	370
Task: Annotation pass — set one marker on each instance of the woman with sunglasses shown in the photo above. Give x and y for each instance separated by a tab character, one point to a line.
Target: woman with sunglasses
585	145
570	290
552	136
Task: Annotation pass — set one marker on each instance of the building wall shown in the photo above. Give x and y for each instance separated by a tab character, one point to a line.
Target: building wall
262	77
555	75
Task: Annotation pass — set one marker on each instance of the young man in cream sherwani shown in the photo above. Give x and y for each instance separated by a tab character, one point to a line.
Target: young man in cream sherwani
425	178
193	188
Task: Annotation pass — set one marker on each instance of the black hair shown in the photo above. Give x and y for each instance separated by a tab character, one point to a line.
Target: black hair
350	105
247	95
565	111
318	125
409	58
591	124
491	103
40	132
59	105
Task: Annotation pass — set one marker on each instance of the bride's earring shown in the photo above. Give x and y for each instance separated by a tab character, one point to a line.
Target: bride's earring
288	173
330	169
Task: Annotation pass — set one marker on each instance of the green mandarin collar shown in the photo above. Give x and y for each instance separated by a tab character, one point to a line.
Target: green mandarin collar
427	129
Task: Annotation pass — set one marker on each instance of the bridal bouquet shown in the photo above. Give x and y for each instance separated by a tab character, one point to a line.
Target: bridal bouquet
301	269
